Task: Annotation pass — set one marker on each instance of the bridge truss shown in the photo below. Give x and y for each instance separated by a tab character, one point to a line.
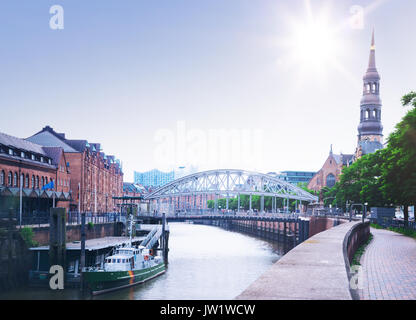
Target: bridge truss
229	182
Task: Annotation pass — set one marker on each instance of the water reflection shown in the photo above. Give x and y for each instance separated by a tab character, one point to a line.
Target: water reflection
205	262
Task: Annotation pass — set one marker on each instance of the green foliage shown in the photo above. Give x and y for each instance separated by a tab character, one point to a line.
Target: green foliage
210	204
90	225
360	251
386	177
27	235
376	226
404	231
409	99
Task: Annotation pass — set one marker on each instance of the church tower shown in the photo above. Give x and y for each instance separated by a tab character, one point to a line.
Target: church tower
370	129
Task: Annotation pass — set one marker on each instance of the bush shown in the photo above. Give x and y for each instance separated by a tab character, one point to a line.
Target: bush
27	235
360	251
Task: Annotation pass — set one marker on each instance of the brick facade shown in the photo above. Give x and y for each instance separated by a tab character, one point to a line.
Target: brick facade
322	177
30	167
95	177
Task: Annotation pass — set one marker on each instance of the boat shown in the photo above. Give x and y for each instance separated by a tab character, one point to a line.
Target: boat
126	266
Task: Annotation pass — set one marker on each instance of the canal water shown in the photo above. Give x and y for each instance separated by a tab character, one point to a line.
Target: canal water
205	262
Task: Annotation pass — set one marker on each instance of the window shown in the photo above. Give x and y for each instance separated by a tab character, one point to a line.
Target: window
10	179
22	180
37	182
330	180
33	181
22	154
41	159
33	157
27	181
43	181
15	179
11	152
2	176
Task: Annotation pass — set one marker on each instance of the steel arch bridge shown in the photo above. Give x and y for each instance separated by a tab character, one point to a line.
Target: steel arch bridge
231	182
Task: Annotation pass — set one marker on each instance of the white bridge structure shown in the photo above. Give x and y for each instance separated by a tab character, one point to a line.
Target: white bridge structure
224	183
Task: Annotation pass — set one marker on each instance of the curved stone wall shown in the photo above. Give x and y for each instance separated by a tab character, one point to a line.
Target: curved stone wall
314	270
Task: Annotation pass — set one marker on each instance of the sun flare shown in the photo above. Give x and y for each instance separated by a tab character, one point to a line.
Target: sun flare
312	46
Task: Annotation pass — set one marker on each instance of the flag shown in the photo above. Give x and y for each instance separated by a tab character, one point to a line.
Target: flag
50	185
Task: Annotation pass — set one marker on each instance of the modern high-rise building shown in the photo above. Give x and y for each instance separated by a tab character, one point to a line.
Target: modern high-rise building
153	178
294	177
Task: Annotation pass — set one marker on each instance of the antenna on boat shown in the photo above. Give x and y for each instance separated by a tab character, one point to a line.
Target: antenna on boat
131	227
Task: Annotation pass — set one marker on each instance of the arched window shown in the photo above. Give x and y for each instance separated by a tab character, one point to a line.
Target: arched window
27	181
43	181
37	182
15	180
367	114
46	180
2	176
330	180
33	181
22	180
10	179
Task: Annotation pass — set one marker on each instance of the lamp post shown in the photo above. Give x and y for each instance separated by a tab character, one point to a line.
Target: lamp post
346	208
365	211
330	198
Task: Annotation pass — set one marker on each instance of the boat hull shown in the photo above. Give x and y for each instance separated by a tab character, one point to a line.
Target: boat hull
106	281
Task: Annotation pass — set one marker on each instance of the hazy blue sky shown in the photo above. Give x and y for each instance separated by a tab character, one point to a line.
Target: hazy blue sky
128	74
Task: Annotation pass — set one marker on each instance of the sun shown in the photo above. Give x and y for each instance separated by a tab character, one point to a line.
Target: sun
311	45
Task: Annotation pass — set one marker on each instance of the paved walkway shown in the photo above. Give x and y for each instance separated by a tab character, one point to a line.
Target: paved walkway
389	267
313	270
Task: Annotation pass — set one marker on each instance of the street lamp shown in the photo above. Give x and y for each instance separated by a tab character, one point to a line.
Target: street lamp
365	210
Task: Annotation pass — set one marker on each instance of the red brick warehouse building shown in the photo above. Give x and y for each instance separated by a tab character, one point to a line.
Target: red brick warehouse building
95	177
29	166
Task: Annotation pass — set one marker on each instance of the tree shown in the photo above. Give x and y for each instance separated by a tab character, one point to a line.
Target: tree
361	182
399	168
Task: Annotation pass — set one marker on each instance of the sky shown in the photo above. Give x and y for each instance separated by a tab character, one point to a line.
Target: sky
261	85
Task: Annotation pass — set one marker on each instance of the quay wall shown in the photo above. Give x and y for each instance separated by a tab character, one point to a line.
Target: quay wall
286	230
15	257
355	237
319	224
316	269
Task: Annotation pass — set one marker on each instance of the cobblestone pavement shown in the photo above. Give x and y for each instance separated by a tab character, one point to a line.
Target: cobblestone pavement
389	267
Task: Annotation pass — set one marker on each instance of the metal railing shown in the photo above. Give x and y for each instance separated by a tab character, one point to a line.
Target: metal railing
39	218
396	223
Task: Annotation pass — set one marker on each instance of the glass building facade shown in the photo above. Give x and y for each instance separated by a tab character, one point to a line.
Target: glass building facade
295	177
153	178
